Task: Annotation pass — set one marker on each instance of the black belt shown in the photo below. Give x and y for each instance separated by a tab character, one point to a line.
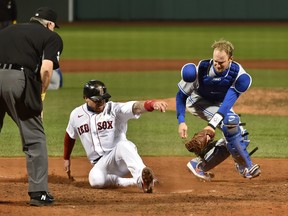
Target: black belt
96	160
11	67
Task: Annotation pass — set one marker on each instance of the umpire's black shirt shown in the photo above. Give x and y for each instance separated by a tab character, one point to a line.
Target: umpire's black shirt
27	44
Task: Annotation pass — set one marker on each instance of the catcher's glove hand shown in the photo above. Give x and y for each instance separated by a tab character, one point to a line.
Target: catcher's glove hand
199	141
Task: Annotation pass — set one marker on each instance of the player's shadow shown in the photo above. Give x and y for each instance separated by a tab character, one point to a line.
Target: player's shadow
13	203
23	179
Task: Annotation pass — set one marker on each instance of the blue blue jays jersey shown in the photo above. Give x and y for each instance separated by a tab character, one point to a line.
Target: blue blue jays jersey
217	88
213	86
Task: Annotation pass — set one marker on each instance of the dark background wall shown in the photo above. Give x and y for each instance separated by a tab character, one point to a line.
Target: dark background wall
182	9
26	8
130	10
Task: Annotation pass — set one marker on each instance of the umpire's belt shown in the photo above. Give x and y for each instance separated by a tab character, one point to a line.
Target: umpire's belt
11	67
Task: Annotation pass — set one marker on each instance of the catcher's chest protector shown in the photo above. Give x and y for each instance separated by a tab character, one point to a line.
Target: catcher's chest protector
215	87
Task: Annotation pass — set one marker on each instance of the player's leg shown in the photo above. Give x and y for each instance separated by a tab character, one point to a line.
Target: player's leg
127	151
217	151
33	140
200	107
108	173
237	142
99	178
214	154
34	147
110	170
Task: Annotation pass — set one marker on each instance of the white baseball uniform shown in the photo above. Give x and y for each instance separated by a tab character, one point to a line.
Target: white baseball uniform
103	137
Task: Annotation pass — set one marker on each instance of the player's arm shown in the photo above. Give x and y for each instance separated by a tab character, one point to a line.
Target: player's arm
180	111
68	147
46	74
188	75
228	102
148	106
241	85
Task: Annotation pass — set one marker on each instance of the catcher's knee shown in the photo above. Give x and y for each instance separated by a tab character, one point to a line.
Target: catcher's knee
236	140
97	178
231	124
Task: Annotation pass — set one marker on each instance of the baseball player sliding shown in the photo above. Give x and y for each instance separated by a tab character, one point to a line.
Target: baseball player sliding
101	126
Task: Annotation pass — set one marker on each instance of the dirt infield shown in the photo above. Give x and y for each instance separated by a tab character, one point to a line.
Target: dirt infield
178	191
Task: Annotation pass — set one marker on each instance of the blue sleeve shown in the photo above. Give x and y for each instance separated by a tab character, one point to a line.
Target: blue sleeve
228	102
181	106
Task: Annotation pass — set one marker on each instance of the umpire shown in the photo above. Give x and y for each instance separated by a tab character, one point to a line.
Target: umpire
29	53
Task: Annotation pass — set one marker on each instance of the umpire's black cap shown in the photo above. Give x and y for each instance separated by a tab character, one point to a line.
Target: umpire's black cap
47	14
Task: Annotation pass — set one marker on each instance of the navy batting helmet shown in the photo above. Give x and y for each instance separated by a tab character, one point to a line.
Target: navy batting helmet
96	91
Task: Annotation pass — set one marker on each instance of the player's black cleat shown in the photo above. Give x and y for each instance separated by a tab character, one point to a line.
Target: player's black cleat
40	198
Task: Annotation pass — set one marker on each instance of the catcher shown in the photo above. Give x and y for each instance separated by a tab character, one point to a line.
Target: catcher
209	92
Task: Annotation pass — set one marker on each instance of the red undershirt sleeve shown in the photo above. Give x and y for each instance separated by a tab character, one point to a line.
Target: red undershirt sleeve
68	146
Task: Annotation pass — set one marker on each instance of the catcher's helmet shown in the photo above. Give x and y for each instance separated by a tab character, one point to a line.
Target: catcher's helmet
96	91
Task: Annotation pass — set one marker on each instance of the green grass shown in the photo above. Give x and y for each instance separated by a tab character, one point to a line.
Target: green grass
154	133
269	78
172	42
163	139
128	85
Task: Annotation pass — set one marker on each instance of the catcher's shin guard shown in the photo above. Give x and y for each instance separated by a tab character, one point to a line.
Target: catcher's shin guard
214	154
236	144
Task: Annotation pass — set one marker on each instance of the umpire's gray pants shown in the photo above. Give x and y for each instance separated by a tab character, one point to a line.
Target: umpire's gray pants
12	83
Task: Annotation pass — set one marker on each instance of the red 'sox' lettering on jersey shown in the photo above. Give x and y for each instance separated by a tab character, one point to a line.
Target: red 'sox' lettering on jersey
104	125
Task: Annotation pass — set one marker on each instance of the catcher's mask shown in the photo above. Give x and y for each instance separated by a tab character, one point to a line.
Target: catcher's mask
96	91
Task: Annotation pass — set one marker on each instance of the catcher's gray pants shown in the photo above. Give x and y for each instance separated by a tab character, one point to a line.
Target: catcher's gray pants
55	81
12	83
201	107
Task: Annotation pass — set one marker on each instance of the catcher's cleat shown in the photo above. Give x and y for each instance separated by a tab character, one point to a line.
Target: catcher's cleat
147	177
41	198
253	172
193	166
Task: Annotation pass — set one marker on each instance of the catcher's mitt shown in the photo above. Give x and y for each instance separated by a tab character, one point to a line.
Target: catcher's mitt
199	141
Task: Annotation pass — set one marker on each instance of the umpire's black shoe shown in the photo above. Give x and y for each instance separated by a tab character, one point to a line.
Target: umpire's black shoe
40	198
